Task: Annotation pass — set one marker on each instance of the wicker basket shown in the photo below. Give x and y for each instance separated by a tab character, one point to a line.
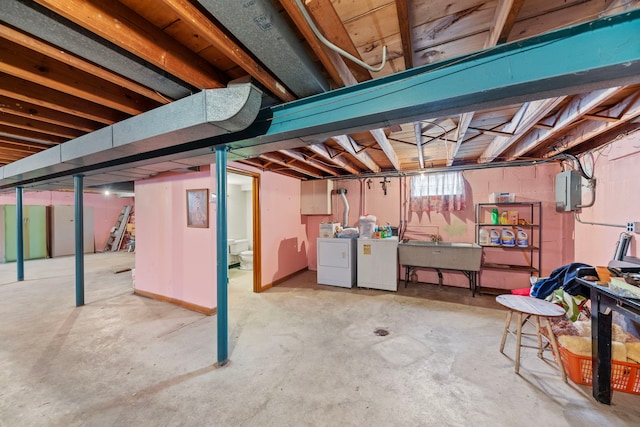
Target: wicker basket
625	376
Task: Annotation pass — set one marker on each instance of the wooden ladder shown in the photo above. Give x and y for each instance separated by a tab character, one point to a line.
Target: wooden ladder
117	232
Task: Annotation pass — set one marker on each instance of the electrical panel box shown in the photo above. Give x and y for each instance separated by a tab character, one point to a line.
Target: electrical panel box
568	191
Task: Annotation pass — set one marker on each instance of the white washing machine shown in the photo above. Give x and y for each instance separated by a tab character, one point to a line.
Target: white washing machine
378	263
336	262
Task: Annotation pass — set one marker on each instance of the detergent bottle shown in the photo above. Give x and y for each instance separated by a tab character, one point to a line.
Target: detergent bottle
508	238
483	237
494	237
522	238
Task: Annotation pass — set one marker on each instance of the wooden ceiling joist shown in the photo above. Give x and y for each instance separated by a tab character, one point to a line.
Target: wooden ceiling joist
46	115
43	96
383	142
323	151
46	128
214	35
310	161
36	68
628	109
118	24
579	105
349	145
31	135
63	57
304	169
524	119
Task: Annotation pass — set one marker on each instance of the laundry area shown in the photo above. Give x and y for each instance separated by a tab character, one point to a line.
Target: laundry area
302	354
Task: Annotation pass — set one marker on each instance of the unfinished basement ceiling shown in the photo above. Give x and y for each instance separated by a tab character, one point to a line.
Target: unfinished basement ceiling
71	67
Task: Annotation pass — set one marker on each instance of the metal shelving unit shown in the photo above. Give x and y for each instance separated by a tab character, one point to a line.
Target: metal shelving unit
530	216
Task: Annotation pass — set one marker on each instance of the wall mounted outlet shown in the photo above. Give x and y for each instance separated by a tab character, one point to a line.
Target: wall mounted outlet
633	227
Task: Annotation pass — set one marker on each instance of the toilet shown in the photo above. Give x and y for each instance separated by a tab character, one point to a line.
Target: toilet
246	260
239	248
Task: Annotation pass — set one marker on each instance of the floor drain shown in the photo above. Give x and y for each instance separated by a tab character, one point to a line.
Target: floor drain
381	332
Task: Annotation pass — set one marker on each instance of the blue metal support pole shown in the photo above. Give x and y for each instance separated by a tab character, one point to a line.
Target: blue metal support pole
221	248
79	234
19	235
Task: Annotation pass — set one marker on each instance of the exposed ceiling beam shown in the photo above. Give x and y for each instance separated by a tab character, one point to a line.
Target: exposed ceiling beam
22	90
306	170
402	9
310	161
506	15
628	109
579	105
31	135
118	24
192	17
75	62
417	128
47	128
45	115
335	65
332	28
383	142
37	68
32	147
461	131
346	142
323	150
524	119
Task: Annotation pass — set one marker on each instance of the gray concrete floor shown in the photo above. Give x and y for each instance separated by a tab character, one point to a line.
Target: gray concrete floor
300	354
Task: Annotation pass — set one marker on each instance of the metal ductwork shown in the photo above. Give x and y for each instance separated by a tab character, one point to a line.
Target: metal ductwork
210	113
38	21
261	29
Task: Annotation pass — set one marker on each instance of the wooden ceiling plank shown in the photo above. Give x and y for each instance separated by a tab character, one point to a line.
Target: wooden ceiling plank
335	65
346	142
191	16
75	62
36	68
45	115
524	119
402	9
25	123
311	162
579	105
330	25
118	24
628	109
461	131
383	142
31	135
43	96
324	152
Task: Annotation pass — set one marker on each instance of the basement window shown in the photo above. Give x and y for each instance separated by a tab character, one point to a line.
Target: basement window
437	192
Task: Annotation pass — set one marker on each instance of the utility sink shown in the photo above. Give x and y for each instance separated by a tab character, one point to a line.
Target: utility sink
444	255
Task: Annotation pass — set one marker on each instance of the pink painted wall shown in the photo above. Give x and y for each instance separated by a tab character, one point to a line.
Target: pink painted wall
617	201
105	208
179	262
535	183
174	260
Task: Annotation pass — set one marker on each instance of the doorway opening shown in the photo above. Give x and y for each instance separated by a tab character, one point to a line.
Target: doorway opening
243	229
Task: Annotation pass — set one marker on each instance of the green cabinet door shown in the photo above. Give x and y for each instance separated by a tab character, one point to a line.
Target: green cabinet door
34	229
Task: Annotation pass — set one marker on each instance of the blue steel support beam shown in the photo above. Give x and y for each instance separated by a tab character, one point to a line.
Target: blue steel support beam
79	234
598	54
221	248
19	235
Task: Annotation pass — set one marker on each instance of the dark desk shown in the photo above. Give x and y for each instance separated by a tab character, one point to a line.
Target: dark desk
603	298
